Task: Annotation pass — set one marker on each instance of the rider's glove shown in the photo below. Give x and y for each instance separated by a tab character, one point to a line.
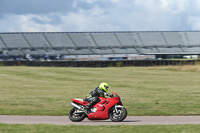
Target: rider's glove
111	95
107	94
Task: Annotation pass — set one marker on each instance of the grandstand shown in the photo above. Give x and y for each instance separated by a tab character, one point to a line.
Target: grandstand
55	45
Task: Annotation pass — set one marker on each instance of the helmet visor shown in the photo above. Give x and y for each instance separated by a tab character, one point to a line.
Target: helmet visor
106	87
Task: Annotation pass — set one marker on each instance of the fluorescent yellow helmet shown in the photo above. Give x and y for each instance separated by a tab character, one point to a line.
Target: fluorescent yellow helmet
104	87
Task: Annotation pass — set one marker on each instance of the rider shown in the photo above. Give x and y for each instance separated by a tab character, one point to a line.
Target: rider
93	96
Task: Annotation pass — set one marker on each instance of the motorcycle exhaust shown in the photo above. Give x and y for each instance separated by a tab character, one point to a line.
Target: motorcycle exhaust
76	106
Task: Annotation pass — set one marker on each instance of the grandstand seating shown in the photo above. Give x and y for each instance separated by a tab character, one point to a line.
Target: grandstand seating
124	50
15	52
194	50
81	40
128	39
59	52
168	50
102	51
172	38
106	40
38	52
193	38
2	45
153	39
59	40
79	51
150	50
14	41
100	43
36	40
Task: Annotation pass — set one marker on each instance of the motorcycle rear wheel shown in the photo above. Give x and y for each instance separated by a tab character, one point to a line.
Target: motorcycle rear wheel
76	115
117	117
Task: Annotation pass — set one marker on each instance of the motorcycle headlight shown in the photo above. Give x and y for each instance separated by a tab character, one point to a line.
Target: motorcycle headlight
93	110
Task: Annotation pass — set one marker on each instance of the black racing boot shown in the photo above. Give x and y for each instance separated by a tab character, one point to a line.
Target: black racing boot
87	109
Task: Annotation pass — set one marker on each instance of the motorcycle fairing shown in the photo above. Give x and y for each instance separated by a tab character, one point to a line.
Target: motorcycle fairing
103	108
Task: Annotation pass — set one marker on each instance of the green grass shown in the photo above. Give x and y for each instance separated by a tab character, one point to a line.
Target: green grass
144	90
99	129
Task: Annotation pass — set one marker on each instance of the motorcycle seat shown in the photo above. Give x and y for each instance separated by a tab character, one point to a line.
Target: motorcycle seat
78	100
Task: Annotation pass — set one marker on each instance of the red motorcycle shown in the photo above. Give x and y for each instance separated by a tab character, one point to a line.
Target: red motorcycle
107	108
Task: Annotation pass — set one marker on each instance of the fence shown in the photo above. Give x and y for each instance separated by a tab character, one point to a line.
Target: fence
100	63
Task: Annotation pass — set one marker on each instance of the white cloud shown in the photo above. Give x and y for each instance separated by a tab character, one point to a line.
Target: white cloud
25	23
87	20
169	6
108	15
174	6
95	11
195	22
115	1
197	4
90	1
74	4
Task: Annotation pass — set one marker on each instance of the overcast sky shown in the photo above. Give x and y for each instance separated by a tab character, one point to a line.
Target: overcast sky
99	15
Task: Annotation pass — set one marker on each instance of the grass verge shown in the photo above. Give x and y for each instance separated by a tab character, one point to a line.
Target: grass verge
144	90
4	128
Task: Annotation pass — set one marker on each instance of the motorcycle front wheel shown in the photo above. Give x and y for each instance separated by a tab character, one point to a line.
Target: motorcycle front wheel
119	115
76	115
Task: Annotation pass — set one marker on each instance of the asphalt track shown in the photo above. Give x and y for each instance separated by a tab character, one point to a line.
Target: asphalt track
130	120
